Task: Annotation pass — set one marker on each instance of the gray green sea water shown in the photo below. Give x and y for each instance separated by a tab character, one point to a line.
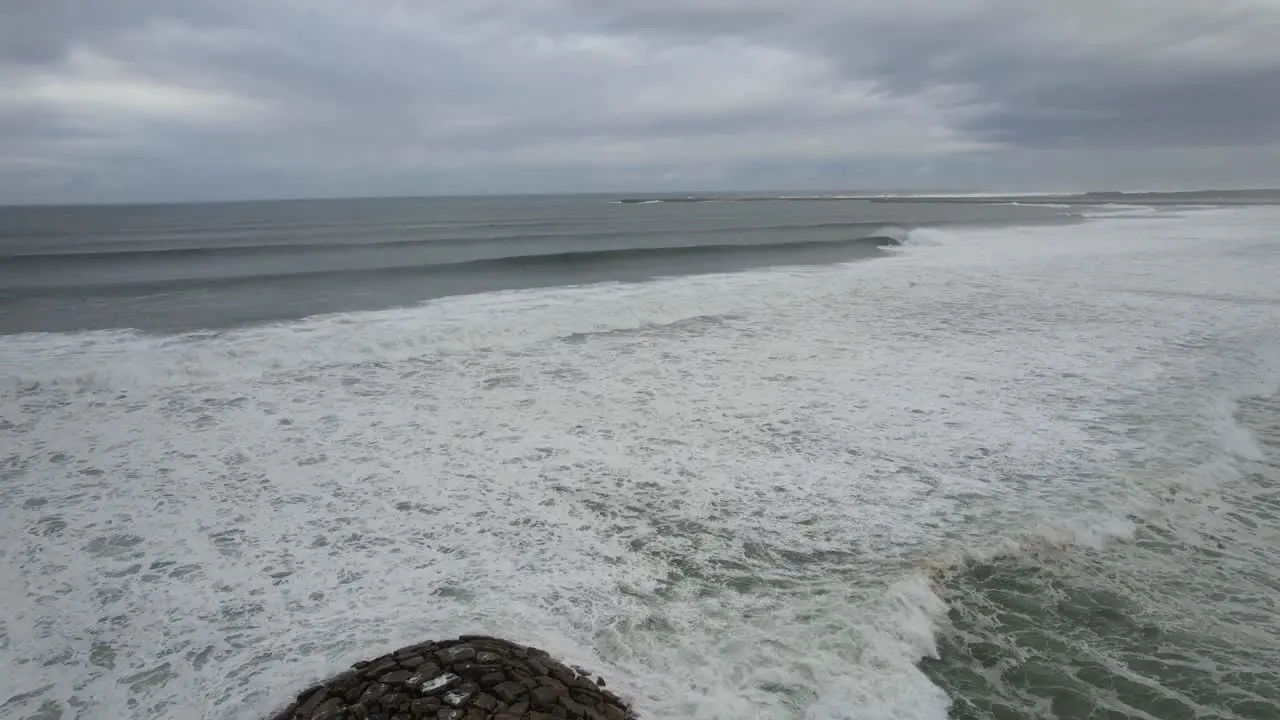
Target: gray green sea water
849	458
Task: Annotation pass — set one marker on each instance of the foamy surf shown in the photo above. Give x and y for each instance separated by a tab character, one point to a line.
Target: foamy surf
734	495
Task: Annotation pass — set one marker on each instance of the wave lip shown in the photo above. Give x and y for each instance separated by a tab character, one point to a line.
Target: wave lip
237	250
662	260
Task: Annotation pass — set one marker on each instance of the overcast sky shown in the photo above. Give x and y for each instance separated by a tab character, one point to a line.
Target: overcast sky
121	100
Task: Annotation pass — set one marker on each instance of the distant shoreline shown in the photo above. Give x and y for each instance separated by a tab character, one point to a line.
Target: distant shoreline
1189	197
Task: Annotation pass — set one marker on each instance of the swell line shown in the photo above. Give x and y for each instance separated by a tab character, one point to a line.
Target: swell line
573	261
233	251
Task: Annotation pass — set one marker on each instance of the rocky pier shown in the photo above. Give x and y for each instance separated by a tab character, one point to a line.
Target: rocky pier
472	678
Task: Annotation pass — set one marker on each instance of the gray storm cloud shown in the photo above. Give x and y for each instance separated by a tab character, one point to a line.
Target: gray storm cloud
178	99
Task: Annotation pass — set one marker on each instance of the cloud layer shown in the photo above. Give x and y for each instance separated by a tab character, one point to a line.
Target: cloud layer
195	99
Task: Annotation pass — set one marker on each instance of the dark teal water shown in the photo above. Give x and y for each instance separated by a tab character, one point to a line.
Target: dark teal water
182	267
1181	622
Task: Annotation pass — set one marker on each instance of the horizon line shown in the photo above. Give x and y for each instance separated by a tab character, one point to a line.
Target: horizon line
834	194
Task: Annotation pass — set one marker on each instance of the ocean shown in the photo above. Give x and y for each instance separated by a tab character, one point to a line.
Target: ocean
754	457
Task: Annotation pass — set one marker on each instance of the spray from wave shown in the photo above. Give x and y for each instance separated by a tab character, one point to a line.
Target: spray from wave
913	237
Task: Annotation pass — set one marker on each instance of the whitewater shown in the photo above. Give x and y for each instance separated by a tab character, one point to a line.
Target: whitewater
765	494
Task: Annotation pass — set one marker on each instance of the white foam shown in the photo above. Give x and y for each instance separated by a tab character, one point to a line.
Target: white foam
926	237
715	491
124	359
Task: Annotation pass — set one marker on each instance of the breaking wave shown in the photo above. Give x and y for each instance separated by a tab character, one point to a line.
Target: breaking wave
660	260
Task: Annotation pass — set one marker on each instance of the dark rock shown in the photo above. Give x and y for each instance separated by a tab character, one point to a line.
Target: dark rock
476	677
575	709
554	684
423	674
581	682
487	702
308	704
375	691
457	653
419	649
564	674
332	708
509	692
424	707
384	665
395	677
492	646
355	692
439	684
460	697
543	697
486	639
344	681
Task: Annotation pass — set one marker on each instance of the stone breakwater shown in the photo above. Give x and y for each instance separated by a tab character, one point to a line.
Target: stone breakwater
472	678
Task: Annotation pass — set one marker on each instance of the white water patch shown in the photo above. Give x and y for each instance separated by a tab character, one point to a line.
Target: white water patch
716	491
123	359
925	237
1113	210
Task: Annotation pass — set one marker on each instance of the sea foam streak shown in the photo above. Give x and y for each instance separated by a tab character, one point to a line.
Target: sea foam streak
724	492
